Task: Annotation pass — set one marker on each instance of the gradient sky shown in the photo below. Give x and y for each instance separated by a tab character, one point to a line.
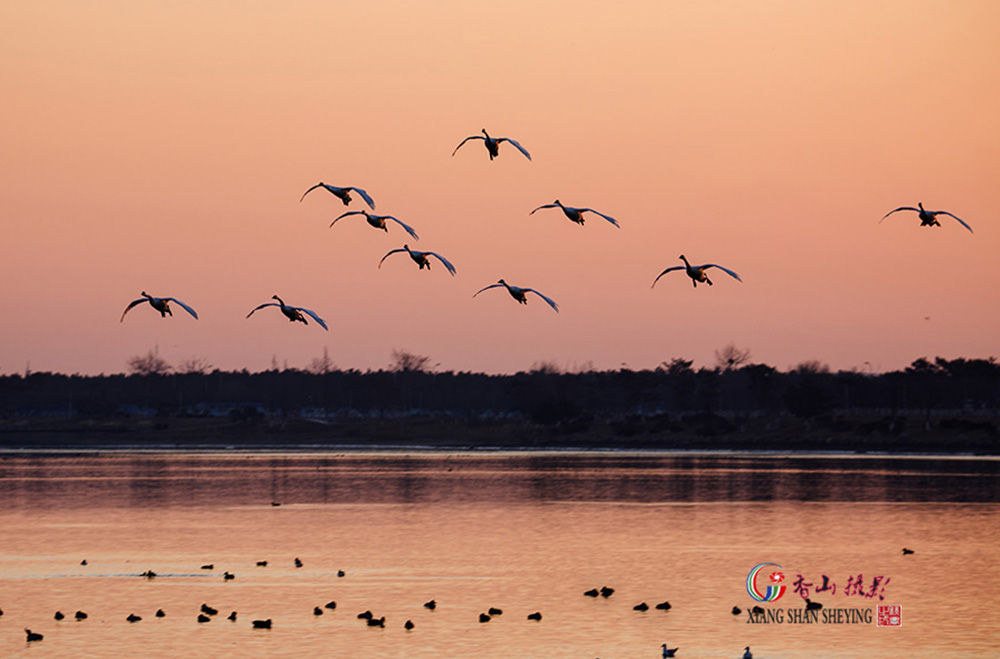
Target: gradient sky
163	146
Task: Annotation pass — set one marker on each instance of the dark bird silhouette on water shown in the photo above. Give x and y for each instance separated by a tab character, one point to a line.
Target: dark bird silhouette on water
59	615
430	605
663	606
607	592
80	615
33	636
907	552
813	606
160	613
203	618
408	625
483	617
535	616
668	652
330	605
262	624
205	608
641	606
133	618
593	592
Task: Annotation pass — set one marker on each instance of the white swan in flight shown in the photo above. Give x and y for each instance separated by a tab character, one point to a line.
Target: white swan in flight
344	194
519	293
696	272
492	144
378	221
927	218
576	214
292	313
161	304
420	258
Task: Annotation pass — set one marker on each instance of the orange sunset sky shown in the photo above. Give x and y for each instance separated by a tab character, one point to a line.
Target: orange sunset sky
164	146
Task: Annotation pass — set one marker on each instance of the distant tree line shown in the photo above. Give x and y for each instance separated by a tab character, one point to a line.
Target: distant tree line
544	395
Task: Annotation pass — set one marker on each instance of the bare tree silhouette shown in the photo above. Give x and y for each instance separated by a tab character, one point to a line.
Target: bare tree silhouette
730	357
149	364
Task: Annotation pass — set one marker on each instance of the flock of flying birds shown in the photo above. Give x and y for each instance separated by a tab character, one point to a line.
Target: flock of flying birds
697	273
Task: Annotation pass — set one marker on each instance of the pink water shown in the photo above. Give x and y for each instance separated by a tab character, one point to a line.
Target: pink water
522	532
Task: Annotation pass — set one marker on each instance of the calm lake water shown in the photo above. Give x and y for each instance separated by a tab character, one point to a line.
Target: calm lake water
523	532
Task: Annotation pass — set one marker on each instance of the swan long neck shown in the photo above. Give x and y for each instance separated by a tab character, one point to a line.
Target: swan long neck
280	301
684	258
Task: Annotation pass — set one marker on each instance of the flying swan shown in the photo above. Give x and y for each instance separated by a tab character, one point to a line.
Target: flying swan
492	144
378	221
927	218
519	293
576	214
696	272
344	194
161	304
420	258
292	313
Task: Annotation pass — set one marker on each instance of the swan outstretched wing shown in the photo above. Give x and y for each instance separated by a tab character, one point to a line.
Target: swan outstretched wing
486	288
318	185
365	196
443	260
726	270
185	307
343	215
266	304
670	269
552	303
390	252
471	137
606	217
312	313
130	305
545	206
514	142
408	228
960	220
901	208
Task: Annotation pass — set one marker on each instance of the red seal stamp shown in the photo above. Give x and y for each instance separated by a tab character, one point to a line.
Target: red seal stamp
890	615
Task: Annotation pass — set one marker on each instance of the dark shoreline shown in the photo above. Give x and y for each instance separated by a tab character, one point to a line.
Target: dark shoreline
855	434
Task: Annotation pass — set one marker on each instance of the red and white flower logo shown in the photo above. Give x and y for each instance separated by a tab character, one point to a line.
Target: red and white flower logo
777	577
